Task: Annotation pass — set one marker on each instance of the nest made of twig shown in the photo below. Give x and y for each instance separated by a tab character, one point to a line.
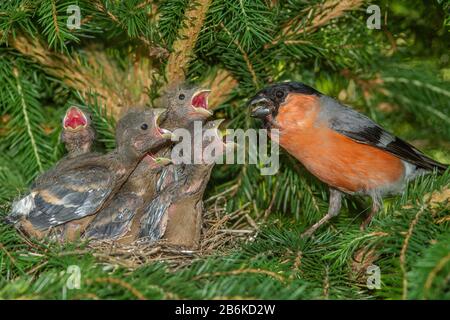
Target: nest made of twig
221	232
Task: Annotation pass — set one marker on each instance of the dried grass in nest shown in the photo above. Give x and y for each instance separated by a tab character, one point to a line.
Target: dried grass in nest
221	233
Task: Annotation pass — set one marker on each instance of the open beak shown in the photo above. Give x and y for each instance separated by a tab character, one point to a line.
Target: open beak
163	161
229	145
166	134
74	119
160	161
200	102
158	112
260	107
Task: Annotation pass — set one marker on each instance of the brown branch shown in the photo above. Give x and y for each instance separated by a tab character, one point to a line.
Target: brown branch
439	266
245	56
333	9
55	18
242	271
153	50
221	84
405	248
71	73
187	38
121	283
326	12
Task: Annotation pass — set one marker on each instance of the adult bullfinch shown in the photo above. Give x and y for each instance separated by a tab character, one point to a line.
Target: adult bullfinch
176	214
84	184
341	147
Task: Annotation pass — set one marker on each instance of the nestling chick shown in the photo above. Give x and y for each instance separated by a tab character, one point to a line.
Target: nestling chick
177	212
78	135
172	175
85	184
120	219
341	147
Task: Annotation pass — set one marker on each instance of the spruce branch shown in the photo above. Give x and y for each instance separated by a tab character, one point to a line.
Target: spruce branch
245	56
153	49
182	49
222	84
73	74
24	107
405	248
323	14
330	10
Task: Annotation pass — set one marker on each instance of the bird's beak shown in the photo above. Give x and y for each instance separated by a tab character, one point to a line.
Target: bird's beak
166	134
163	161
74	119
217	123
260	107
229	145
158	112
200	102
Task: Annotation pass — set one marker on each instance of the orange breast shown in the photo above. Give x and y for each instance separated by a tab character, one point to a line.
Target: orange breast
334	158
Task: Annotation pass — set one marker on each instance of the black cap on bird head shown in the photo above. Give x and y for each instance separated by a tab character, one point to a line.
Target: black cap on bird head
185	104
138	132
267	101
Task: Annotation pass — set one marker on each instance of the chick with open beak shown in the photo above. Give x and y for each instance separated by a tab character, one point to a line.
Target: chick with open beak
85	185
185	104
78	134
114	220
178	211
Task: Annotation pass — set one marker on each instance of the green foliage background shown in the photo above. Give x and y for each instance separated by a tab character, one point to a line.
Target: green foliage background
398	75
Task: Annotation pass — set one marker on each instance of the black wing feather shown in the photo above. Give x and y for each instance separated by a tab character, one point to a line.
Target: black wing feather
363	130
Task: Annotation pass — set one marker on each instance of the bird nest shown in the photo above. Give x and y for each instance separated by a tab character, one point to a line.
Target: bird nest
221	232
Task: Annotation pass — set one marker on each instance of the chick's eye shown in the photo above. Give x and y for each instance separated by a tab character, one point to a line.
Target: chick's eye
181	96
144	126
279	94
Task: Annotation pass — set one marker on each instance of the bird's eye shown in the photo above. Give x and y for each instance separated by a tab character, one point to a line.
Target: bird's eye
181	96
144	126
279	94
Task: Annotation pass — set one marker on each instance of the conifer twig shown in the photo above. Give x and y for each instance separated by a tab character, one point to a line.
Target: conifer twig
27	121
73	74
221	85
121	283
405	247
326	12
183	47
244	56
